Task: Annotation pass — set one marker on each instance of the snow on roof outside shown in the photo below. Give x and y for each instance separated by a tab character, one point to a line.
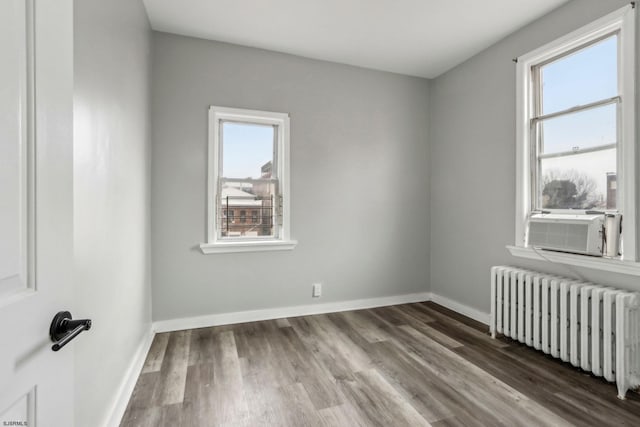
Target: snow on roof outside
238	197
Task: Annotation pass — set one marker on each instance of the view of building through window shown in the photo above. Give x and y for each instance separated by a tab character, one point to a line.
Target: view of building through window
248	187
576	128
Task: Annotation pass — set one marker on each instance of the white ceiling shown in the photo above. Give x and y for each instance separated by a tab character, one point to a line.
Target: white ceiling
416	37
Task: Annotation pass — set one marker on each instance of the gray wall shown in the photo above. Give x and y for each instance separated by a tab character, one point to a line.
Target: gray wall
472	141
111	197
359	179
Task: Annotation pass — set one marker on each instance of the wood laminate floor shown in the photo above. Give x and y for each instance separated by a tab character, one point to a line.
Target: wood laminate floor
406	365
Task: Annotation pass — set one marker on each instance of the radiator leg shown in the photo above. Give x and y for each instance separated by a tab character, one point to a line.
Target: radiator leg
622	392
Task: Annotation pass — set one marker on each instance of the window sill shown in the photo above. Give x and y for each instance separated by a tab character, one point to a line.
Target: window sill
604	264
254	246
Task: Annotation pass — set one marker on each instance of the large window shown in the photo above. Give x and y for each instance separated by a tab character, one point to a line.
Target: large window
248	175
575	129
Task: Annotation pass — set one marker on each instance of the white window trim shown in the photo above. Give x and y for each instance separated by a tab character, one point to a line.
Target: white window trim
284	241
596	263
623	21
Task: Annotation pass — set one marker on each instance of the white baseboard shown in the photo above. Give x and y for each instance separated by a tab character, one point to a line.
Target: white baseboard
278	313
478	315
306	310
123	394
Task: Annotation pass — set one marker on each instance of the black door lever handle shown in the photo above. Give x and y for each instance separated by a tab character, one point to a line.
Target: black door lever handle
63	329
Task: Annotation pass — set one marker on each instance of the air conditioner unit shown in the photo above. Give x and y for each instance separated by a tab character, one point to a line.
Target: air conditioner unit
582	234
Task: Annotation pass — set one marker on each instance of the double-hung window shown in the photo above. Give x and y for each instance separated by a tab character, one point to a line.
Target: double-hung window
576	127
248	175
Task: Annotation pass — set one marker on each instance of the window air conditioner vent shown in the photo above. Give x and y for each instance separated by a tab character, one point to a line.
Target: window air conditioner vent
582	234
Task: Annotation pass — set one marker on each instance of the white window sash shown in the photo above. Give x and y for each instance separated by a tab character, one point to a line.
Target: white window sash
276	212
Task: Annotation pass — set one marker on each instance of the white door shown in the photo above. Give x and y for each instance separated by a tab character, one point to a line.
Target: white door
36	209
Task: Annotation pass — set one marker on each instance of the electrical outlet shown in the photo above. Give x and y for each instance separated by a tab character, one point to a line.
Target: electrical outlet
317	290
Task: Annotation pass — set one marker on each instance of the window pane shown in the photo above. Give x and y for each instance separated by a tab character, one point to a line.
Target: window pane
580	181
585	76
247	150
577	131
240	198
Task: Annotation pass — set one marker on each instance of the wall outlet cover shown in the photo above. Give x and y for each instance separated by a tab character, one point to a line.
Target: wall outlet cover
317	290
